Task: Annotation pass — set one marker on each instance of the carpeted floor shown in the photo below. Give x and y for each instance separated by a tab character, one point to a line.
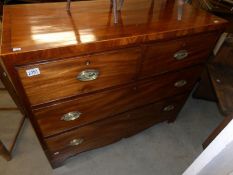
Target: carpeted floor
5	100
10	118
164	149
9	124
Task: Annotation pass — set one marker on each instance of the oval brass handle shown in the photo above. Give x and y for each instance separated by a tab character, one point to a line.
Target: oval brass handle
76	142
180	83
168	108
71	116
181	54
88	75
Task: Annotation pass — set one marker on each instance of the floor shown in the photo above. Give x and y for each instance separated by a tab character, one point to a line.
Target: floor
10	117
164	149
6	101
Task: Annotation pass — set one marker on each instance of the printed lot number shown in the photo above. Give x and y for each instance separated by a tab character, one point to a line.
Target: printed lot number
33	72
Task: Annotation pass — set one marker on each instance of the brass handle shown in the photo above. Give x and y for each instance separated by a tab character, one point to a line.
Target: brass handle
76	142
181	54
71	116
168	108
88	75
180	83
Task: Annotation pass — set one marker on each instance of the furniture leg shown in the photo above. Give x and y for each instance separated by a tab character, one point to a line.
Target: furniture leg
171	120
4	152
205	89
121	4
115	11
180	9
217	130
11	90
68	5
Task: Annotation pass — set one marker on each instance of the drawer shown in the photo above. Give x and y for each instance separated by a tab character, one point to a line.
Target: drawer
113	129
64	116
173	55
69	77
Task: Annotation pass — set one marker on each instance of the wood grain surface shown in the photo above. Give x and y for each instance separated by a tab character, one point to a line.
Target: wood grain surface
58	79
50	29
135	59
108	103
111	130
159	57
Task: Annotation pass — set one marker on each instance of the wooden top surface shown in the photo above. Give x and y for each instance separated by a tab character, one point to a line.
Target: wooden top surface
44	26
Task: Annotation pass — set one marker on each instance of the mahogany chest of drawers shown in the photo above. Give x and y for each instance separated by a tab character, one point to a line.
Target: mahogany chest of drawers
86	82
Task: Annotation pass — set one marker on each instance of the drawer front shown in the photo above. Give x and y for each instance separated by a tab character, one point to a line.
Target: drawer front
112	129
68	77
173	55
83	110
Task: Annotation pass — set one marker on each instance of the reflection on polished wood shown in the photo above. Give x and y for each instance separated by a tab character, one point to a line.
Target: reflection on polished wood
51	26
147	64
6	83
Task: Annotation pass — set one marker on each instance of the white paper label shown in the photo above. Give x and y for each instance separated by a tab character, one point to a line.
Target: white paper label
16	49
33	72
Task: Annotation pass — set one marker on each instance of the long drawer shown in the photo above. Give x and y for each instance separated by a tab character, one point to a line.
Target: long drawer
172	55
83	110
44	82
112	129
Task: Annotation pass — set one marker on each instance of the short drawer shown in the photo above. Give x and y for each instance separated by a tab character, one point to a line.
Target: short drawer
113	129
172	55
64	116
44	82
